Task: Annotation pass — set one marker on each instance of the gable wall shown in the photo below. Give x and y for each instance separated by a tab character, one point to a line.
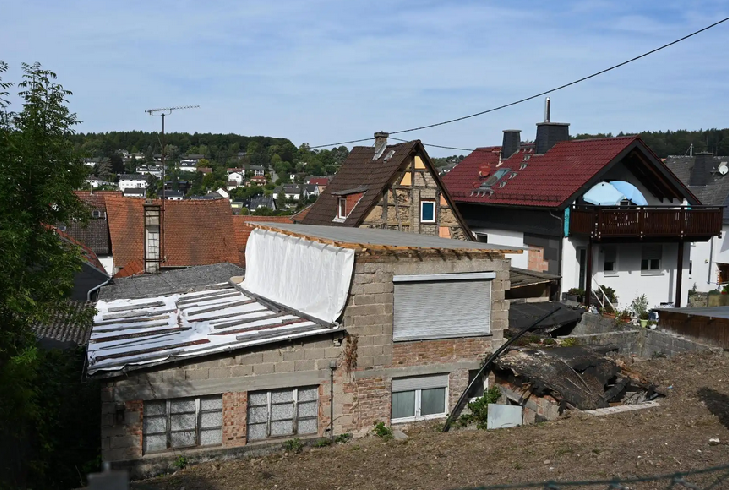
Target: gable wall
399	208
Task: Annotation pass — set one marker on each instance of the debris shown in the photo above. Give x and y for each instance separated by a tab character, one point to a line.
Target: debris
714	441
399	435
546	461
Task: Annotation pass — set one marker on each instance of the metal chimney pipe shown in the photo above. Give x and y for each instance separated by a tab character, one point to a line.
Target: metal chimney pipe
546	110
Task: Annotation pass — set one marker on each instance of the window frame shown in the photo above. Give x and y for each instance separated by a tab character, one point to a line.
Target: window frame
614	271
423	202
418	402
168	423
342	208
269	411
651	271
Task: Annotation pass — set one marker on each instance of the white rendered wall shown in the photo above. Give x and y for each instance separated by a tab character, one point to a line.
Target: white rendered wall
510	239
108	263
704	257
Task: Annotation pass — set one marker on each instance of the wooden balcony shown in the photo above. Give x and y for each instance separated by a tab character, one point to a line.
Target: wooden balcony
695	223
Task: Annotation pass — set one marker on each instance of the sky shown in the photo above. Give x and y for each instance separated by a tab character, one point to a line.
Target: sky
321	71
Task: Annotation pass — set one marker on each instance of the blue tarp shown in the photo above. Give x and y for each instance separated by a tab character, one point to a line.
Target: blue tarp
603	194
630	191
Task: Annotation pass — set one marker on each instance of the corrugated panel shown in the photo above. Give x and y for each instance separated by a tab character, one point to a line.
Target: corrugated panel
441	309
420	383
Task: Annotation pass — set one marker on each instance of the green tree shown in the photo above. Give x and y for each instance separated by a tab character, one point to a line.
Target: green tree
39	168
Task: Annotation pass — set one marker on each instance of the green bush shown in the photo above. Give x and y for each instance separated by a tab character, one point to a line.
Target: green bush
569	342
382	431
180	462
293	445
323	442
480	409
342	438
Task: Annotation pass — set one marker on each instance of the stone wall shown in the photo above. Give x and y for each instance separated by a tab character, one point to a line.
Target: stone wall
594	330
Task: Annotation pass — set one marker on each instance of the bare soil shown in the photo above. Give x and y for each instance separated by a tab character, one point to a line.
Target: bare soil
672	437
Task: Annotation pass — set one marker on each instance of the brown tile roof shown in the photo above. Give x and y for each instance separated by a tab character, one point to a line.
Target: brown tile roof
95	233
196	232
242	225
88	254
299	217
360	170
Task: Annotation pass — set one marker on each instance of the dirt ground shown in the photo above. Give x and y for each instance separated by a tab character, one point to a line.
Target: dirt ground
672	437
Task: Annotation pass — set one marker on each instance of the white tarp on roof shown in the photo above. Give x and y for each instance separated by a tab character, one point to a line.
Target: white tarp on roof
307	276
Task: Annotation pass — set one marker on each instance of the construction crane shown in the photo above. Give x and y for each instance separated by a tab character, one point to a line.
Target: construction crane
165	111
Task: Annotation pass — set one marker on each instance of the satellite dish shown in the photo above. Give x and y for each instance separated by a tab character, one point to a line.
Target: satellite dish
723	168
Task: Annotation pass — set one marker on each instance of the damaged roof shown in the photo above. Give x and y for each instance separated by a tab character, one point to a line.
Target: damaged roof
522	315
373	237
134	333
523	277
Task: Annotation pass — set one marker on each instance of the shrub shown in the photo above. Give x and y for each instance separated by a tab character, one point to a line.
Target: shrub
549	341
569	342
342	438
382	431
323	442
294	445
180	462
640	306
480	409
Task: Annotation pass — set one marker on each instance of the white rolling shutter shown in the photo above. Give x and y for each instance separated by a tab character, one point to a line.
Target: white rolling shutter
442	306
420	383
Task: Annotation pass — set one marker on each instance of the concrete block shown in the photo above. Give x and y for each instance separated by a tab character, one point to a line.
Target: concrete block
332	352
284	367
250	358
196	374
378	288
263	368
238	371
293	355
314	354
219	372
272	356
125	442
307	365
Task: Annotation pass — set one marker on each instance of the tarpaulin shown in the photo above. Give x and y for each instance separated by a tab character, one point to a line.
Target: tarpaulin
308	276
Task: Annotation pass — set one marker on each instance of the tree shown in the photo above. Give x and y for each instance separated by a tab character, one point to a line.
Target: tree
39	168
117	163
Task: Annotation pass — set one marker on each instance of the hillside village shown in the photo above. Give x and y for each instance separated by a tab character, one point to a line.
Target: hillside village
549	308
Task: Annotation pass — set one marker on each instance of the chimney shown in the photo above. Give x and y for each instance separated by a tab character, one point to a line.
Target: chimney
511	143
549	133
701	171
152	221
380	143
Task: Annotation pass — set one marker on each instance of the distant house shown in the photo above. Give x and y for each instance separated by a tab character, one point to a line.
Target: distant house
311	190
96	182
258	180
205	170
256	170
288	191
261	202
132	181
135	192
236	177
707	177
191	160
320	182
389	186
174	195
187	167
155	170
196	232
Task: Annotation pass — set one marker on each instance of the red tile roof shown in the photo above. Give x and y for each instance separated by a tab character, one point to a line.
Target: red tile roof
242	228
319	181
549	180
196	232
88	254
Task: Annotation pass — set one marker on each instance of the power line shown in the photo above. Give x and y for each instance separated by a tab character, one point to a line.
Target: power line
546	92
486	150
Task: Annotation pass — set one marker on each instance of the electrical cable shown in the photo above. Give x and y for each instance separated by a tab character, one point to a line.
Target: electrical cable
546	92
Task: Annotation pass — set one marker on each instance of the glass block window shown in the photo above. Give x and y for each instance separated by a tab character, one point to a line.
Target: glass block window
281	413
182	423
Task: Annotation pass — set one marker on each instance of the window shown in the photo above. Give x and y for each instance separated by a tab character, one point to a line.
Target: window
440	306
182	423
651	259
482	237
342	208
609	261
420	398
479	387
427	211
279	413
723	273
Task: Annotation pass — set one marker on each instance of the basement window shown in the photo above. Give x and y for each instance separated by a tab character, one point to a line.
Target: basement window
419	398
427	211
282	413
651	259
182	423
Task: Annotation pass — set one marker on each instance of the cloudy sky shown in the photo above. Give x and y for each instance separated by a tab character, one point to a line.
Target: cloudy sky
321	71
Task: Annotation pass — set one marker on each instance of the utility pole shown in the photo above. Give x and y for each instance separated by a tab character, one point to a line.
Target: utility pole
165	111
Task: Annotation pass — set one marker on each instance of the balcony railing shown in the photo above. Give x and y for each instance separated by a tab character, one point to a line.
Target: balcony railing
641	222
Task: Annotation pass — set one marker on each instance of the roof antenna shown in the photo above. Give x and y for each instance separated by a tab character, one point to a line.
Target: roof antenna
546	110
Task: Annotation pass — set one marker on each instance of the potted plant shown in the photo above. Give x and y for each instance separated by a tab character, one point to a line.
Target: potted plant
576	293
640	307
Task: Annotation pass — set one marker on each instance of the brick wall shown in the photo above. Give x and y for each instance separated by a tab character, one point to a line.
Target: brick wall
235	415
536	260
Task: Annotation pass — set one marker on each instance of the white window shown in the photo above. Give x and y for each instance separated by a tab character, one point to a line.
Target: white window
282	413
182	423
609	261
440	306
651	259
427	211
342	208
420	398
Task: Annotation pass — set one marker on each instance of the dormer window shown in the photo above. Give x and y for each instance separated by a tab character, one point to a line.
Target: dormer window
342	208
